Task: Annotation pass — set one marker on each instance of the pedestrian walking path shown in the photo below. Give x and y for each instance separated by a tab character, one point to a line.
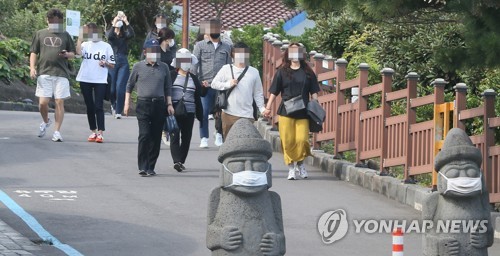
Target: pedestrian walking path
117	212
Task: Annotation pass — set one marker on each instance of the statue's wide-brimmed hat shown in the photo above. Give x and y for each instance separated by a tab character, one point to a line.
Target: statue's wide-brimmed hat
457	147
244	138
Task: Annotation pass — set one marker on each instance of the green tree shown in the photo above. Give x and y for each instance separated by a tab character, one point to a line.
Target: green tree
480	19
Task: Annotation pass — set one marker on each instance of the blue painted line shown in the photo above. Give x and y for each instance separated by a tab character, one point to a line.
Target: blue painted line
35	226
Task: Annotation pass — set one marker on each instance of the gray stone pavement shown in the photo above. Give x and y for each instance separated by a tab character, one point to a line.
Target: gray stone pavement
104	220
13	243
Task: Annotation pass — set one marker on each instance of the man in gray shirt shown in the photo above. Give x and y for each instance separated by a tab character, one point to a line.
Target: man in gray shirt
154	87
212	55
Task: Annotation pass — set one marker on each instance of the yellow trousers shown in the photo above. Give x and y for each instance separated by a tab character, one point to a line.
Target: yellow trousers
294	135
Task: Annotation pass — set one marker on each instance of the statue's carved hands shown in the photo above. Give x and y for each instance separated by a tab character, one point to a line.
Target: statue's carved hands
449	247
270	244
231	238
478	240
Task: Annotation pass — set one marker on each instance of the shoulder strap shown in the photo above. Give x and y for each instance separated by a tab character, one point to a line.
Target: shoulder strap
239	78
185	85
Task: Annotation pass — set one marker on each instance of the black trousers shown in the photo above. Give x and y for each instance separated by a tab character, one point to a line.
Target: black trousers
181	140
151	117
93	95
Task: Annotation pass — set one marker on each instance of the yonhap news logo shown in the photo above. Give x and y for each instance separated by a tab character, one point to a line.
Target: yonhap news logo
333	226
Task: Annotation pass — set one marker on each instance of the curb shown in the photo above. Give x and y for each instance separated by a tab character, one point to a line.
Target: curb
18	106
410	194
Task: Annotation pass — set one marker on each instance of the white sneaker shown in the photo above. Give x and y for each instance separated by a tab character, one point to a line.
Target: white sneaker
302	171
57	137
291	172
118	116
113	112
43	128
218	140
204	143
210	117
164	138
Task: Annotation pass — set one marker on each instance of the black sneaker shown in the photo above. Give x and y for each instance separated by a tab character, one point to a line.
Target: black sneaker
178	166
151	173
143	173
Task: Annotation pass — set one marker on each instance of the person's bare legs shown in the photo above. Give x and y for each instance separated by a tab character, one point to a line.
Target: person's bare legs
59	113
43	106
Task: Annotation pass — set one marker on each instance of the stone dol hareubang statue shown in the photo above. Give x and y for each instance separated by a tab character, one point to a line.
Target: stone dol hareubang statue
461	196
244	217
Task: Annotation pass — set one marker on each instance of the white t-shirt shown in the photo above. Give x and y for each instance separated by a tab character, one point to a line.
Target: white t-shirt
92	53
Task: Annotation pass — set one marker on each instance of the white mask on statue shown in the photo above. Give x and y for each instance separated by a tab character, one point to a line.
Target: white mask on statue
248	178
463	185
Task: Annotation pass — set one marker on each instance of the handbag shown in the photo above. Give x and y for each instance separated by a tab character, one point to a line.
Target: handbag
223	95
316	115
296	103
180	106
172	125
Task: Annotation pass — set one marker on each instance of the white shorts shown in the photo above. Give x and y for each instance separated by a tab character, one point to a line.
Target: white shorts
48	86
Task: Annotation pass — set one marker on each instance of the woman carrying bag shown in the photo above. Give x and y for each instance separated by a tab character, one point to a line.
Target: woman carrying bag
295	81
186	93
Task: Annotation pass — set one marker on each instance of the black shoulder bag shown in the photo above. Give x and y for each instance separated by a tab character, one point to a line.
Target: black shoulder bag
180	107
222	96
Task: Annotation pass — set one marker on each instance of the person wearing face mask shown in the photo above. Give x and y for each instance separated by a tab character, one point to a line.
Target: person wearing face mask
97	58
154	90
461	195
294	78
166	37
212	55
246	87
49	53
185	86
118	36
160	21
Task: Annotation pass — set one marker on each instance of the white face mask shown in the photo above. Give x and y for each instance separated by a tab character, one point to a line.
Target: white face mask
185	66
248	178
171	43
152	56
160	26
293	56
463	185
119	24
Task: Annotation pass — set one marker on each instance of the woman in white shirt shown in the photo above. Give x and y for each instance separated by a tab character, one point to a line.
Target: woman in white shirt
93	76
246	87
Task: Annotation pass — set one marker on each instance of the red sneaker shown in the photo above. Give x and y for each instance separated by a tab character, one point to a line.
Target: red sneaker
99	138
92	137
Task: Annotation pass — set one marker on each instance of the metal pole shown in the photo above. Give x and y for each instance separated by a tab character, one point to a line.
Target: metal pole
185	24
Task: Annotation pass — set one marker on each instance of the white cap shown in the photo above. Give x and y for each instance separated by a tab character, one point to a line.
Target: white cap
183	52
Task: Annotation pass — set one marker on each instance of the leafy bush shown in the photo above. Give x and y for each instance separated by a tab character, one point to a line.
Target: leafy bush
14	60
252	36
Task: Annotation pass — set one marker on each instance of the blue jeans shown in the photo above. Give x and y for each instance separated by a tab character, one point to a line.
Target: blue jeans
208	102
119	76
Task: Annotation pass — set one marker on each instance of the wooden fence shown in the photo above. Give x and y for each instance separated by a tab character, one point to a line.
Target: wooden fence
397	140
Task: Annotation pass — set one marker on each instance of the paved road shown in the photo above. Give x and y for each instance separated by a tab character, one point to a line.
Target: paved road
90	197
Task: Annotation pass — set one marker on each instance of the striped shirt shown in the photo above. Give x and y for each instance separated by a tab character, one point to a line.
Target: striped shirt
151	80
210	59
178	88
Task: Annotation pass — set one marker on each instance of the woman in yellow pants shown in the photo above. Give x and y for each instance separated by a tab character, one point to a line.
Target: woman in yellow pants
294	78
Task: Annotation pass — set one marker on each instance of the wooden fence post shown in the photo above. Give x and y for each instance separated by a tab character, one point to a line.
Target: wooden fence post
489	135
340	99
460	104
439	84
362	106
411	115
386	112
